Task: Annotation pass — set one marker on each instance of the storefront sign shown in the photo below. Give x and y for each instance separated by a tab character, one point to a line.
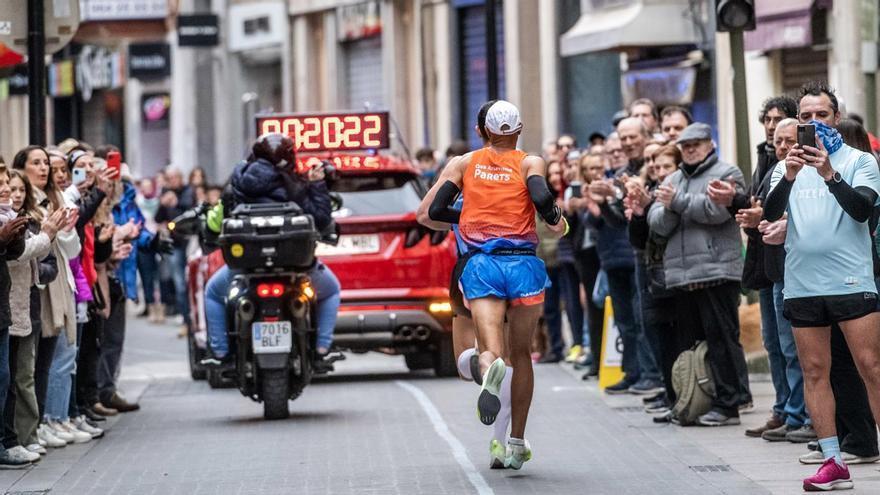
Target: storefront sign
98	68
359	21
198	30
155	109
120	10
61	79
149	60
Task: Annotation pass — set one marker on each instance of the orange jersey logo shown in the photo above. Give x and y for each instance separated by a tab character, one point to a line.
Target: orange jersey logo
497	210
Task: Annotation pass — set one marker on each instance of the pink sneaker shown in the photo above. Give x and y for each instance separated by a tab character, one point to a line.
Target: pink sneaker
831	476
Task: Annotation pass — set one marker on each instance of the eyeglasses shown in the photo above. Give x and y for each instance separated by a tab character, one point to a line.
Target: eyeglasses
565	145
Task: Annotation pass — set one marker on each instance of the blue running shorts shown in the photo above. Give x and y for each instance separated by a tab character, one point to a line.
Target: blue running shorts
518	278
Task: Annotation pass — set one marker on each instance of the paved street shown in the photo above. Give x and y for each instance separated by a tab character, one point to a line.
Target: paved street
375	428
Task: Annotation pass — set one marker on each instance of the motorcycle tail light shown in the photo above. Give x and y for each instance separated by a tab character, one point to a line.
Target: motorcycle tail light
266	291
413	236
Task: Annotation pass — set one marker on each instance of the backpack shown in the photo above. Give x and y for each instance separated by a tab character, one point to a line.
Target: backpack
693	384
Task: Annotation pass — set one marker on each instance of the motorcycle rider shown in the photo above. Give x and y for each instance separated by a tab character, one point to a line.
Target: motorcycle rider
269	175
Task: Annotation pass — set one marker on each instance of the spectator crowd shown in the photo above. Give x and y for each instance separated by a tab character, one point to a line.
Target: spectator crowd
75	232
677	236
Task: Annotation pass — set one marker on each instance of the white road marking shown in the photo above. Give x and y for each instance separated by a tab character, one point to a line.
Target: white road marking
458	450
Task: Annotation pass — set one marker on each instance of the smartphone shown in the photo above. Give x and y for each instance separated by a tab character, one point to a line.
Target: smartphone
575	189
806	135
78	176
114	162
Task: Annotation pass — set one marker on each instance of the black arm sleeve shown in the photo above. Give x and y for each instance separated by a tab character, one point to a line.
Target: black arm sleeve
857	203
441	208
540	193
777	200
740	201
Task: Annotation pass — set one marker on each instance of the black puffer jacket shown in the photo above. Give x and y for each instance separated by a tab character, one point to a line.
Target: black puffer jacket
755	274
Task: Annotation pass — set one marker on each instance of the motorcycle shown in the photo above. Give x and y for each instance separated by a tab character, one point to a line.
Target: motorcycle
271	305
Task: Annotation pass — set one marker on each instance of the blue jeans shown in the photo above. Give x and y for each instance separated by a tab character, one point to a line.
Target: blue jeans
326	287
795	409
60	379
148	268
564	287
624	301
178	274
649	346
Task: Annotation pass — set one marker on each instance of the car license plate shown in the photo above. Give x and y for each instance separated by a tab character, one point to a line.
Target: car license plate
272	336
350	244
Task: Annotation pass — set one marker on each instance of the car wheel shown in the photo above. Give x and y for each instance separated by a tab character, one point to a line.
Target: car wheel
444	356
196	370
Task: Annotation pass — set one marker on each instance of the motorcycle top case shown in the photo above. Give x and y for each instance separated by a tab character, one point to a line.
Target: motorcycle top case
268	236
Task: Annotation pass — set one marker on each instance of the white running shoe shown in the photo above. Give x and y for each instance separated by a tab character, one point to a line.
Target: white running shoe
489	402
47	435
497	453
518	452
82	425
79	436
19	452
57	429
35	447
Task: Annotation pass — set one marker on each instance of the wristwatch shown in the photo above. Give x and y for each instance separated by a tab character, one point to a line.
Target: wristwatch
836	178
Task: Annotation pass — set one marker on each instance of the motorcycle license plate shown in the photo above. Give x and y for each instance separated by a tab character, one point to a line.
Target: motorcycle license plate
272	336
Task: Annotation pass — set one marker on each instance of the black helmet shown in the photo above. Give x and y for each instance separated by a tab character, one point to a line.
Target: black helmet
275	148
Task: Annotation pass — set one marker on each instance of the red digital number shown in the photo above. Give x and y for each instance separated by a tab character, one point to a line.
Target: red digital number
373	128
332	127
311	136
270	126
351	135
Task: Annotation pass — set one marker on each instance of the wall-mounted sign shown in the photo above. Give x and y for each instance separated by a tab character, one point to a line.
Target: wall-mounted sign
121	10
98	68
155	108
256	25
198	30
359	21
61	79
149	60
61	22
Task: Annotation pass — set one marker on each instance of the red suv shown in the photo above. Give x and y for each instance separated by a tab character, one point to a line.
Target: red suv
394	273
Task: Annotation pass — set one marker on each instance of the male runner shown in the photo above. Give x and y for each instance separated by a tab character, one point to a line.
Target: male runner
499	185
463	333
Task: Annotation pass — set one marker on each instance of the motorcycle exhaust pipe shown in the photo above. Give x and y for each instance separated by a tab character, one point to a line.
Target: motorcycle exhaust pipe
405	332
422	333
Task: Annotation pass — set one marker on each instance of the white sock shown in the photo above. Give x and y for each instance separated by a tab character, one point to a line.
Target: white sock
464	363
502	421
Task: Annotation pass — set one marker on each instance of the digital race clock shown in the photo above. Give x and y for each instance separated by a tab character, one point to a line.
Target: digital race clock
330	132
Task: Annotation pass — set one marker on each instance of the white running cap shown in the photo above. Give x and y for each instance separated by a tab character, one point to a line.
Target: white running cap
503	119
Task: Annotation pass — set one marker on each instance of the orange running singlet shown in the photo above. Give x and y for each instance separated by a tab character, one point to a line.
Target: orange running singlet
497	212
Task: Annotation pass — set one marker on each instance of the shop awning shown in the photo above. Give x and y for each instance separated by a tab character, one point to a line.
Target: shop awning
636	24
781	24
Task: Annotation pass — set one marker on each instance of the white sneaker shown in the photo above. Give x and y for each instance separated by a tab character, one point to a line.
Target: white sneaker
35	447
79	436
19	452
60	431
47	435
82	425
518	452
41	442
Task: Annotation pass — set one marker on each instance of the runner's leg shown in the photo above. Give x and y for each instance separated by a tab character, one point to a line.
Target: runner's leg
488	313
523	322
